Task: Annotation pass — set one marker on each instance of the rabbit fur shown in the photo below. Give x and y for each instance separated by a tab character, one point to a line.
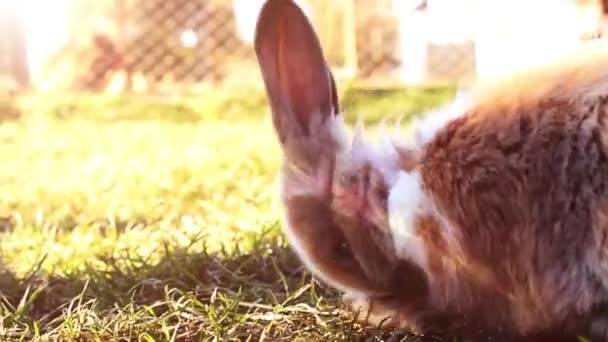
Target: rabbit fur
495	219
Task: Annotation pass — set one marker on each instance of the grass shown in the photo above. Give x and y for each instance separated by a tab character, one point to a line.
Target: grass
138	218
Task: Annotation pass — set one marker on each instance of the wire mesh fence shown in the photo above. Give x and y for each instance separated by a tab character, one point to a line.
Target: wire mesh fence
182	41
142	44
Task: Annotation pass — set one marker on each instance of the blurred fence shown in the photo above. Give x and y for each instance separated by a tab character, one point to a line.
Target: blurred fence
150	44
184	41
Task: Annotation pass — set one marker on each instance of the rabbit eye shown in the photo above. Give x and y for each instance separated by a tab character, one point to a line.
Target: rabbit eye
381	192
382	196
343	249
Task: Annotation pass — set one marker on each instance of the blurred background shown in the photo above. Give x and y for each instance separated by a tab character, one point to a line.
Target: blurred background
138	169
159	46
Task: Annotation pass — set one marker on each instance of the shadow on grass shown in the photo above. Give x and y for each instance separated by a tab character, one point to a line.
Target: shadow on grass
263	294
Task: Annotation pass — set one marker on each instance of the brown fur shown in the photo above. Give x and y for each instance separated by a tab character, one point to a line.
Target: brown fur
303	100
524	187
517	226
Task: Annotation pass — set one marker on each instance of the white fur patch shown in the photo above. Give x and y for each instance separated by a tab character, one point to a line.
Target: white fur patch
427	127
381	154
405	202
337	129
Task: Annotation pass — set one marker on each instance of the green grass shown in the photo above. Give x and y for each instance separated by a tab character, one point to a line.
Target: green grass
139	218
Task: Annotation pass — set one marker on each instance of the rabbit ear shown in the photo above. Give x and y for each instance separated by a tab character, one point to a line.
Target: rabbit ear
299	84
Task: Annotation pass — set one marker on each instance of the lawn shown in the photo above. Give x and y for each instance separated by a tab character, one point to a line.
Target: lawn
138	218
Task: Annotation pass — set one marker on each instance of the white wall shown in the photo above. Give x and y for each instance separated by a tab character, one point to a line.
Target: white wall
508	34
518	33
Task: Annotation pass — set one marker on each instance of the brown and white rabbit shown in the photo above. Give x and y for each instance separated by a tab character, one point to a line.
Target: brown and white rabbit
495	221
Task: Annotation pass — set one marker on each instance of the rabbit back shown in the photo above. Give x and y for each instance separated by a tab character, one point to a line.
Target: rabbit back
521	187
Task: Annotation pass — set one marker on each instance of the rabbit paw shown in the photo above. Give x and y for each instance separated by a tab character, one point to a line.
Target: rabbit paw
374	312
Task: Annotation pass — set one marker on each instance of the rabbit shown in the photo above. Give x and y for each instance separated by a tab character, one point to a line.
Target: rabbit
494	220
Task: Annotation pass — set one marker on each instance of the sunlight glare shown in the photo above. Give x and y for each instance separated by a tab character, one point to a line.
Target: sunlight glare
46	28
189	39
519	33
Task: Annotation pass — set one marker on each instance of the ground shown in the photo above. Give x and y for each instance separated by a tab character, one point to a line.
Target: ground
139	218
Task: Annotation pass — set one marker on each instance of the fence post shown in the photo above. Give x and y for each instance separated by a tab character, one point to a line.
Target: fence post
16	48
122	14
350	37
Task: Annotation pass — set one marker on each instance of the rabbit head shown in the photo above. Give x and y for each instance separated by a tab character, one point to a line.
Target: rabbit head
335	187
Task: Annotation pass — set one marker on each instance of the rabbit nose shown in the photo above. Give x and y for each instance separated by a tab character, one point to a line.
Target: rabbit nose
349	192
363	194
353	193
